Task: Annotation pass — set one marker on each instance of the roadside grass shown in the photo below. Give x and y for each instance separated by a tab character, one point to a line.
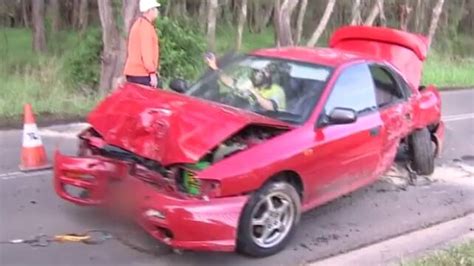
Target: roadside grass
462	255
40	80
448	72
29	78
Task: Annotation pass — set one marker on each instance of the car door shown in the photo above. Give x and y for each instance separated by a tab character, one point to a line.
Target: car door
346	155
391	95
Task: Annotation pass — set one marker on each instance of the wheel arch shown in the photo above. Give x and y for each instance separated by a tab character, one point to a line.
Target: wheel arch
291	177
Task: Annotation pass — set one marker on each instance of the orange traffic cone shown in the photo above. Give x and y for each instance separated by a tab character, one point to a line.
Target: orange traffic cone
33	155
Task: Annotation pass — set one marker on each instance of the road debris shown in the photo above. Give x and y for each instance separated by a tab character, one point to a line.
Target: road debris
92	237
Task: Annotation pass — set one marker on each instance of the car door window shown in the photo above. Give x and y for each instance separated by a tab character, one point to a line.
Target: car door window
354	89
387	89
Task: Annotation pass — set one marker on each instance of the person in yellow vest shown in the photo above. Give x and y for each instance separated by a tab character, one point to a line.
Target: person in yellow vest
143	52
269	96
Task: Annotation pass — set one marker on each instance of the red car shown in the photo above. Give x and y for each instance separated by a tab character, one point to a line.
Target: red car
213	168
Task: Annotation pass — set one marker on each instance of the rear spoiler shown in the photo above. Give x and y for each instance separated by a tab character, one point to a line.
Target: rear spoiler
406	51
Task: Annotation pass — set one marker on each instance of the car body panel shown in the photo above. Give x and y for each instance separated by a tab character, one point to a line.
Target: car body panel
189	220
166	126
406	51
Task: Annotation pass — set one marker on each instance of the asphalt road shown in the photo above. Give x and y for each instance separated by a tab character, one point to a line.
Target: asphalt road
29	206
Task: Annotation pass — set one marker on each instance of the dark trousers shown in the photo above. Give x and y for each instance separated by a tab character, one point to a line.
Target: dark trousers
144	80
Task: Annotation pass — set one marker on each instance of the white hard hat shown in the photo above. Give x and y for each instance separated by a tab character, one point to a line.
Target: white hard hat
146	5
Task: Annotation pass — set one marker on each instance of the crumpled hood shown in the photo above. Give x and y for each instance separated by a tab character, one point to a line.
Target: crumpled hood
168	127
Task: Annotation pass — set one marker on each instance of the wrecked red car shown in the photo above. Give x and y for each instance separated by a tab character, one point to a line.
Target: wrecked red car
211	169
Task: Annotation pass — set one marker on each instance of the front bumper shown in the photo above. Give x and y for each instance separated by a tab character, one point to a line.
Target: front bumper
184	223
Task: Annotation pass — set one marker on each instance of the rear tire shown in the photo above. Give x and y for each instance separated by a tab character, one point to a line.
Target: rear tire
422	152
279	220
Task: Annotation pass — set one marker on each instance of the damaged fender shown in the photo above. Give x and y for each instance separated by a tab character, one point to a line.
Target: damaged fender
175	219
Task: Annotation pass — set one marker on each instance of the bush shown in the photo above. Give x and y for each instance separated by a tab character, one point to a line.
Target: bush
181	50
82	63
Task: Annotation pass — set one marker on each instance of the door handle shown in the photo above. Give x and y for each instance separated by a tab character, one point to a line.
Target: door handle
374	131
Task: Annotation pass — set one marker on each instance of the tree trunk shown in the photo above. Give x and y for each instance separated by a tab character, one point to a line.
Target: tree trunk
418	16
262	13
55	15
168	8
299	23
434	20
202	15
285	38
84	15
383	20
211	24
242	19
39	37
24	12
322	24
75	14
111	46
114	43
356	18
377	10
405	14
276	21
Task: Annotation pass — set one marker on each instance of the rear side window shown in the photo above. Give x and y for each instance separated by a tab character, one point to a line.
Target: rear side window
387	89
354	89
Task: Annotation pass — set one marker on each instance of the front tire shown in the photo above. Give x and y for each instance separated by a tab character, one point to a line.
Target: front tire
422	152
268	220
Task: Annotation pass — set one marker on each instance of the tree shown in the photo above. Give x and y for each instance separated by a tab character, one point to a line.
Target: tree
377	10
283	26
75	14
114	43
240	27
202	15
322	24
356	18
55	15
211	24
39	37
405	12
419	16
83	15
260	14
434	20
299	22
24	13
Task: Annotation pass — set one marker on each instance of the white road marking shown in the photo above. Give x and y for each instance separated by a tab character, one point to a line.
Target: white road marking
14	175
450	118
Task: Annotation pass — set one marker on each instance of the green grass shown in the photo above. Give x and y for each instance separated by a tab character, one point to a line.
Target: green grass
225	39
462	255
448	72
28	78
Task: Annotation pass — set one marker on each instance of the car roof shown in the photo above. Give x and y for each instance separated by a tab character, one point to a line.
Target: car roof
322	56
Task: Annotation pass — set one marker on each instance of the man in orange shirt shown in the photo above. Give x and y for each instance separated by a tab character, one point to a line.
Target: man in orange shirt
143	48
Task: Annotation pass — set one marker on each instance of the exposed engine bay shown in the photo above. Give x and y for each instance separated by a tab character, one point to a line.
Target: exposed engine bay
183	175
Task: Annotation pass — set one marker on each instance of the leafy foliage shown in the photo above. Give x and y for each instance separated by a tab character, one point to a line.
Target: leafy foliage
181	49
82	63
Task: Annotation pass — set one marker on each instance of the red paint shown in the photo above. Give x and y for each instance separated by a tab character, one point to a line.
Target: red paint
166	126
189	220
405	51
175	129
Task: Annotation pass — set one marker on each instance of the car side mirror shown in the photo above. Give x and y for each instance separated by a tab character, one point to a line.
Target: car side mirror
339	116
179	85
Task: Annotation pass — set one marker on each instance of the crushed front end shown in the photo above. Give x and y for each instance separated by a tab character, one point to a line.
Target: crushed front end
170	203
